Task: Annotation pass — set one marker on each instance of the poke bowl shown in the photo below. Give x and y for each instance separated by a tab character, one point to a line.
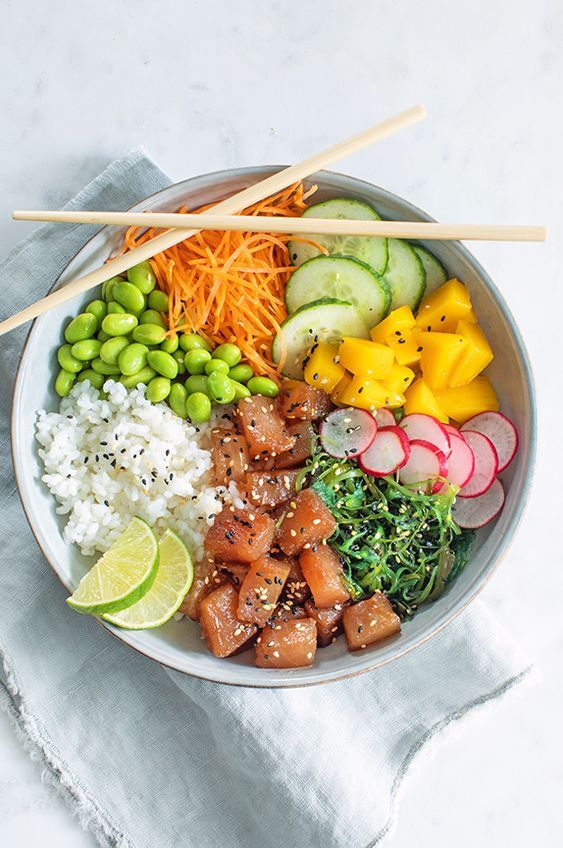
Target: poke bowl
41	466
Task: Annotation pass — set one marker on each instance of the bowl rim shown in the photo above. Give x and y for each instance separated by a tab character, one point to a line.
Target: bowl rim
503	544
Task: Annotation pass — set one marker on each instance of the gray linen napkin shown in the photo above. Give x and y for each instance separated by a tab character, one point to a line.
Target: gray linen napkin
150	758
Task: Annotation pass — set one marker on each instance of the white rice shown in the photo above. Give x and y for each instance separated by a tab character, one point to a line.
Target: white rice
108	460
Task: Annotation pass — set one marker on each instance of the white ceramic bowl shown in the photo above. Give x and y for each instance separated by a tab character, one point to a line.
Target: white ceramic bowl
178	644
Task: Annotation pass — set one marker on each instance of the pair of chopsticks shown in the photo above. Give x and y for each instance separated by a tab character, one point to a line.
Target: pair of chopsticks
225	215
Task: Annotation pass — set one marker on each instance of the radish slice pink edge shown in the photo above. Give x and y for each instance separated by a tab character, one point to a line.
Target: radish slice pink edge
423	427
486	465
347	433
426	463
389	451
384	418
472	513
461	461
501	432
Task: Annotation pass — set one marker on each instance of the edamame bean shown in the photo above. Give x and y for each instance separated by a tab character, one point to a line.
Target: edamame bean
145	375
171	344
158	389
142	276
130	297
111	349
96	380
263	386
82	327
101	367
102	337
149	334
196	383
107	288
220	387
218	365
119	325
196	360
132	358
229	353
99	309
177	400
64	382
198	408
158	300
86	350
115	308
241	391
67	360
151	316
241	373
191	341
163	363
179	357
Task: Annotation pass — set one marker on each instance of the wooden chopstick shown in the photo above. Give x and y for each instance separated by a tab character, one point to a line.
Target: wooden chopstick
230	206
313	226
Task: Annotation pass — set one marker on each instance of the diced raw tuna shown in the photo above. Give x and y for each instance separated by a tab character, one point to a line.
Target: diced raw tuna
222	630
239	536
261	589
264	428
235	571
271	488
329	622
230	456
207	576
322	569
301	451
287	613
307	522
299	400
289	644
370	621
296	589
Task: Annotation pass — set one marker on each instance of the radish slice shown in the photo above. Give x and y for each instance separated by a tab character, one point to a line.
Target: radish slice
461	462
423	427
472	513
385	418
451	430
486	465
425	464
346	433
500	430
389	451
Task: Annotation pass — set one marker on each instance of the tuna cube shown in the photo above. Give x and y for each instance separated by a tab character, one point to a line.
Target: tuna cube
239	535
222	630
322	569
287	644
307	522
261	589
370	621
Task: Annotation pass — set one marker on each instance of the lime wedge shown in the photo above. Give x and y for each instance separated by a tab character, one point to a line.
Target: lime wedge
173	579
122	575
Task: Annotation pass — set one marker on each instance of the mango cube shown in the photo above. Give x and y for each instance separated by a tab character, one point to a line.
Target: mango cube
420	398
440	353
405	347
397	322
399	378
323	370
337	393
364	357
477	354
464	402
441	310
364	392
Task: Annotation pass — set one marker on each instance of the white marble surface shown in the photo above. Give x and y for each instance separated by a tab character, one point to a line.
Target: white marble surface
208	84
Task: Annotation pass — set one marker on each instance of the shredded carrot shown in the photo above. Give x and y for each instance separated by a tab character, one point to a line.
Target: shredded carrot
229	286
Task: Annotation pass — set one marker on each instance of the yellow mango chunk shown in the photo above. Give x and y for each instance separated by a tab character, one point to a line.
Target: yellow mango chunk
398	321
441	310
466	401
476	355
323	371
364	357
336	395
399	378
439	355
366	393
405	347
471	316
420	398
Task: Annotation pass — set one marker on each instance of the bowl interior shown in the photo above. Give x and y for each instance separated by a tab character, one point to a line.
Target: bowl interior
177	644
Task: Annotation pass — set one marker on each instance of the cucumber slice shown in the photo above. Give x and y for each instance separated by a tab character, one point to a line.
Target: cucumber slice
436	274
326	320
369	249
343	278
405	275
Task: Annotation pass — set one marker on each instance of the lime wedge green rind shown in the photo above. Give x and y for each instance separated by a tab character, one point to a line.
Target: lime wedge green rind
122	576
173	580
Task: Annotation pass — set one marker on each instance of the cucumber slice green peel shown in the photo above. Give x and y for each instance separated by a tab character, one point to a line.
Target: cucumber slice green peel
436	274
405	275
